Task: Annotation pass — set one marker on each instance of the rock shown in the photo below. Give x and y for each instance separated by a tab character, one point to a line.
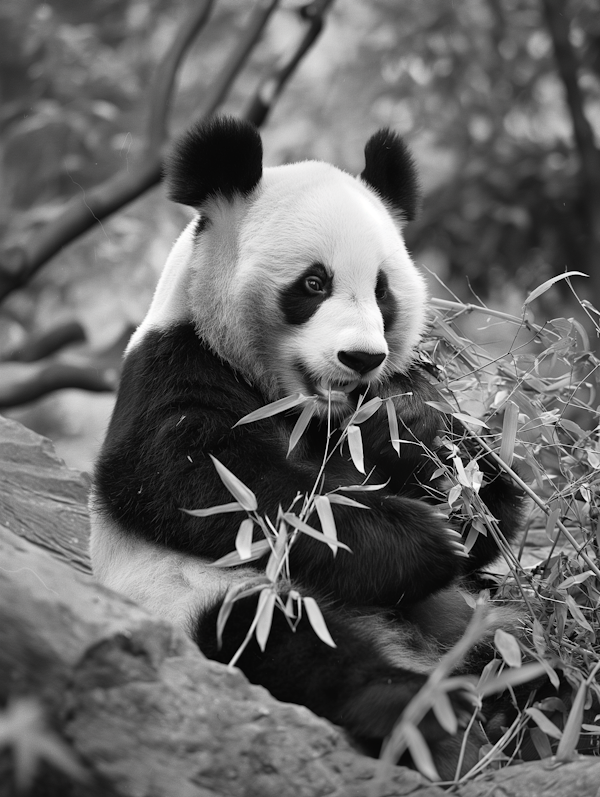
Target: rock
40	499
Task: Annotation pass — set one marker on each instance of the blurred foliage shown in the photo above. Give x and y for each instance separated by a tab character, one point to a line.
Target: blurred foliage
473	86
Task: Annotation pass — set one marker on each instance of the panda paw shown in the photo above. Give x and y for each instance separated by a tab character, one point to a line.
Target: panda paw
376	709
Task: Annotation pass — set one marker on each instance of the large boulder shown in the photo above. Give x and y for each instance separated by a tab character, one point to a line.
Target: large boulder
128	707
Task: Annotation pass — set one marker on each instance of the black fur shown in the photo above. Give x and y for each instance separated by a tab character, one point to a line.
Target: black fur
386	301
390	170
221	157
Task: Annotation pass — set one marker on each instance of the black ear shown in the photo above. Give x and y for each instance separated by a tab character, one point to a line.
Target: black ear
220	157
391	171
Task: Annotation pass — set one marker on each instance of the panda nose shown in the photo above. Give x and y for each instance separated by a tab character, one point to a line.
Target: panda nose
360	361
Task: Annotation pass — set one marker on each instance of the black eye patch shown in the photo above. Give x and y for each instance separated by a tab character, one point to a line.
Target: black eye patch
386	301
301	300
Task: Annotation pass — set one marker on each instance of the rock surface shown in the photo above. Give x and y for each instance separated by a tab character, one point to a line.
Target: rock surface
137	704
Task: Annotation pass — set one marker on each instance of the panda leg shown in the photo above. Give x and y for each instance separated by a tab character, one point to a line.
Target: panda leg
352	685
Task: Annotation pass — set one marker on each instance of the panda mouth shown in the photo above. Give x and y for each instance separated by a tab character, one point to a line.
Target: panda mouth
335	391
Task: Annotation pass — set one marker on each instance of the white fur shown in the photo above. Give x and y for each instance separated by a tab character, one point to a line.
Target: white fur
170	303
173	585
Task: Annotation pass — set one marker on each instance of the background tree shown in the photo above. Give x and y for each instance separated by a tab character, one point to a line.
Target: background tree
498	98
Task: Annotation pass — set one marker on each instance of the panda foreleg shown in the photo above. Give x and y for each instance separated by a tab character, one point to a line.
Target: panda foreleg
352	685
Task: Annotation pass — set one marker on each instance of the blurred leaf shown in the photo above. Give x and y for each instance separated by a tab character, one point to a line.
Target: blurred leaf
508	647
568	744
549	283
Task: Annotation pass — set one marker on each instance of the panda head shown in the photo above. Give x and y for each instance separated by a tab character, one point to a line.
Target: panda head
298	275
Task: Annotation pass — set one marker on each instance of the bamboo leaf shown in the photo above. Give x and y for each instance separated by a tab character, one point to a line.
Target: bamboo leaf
243	539
512	677
356	447
541	743
393	425
542	721
334	498
461	416
572	730
281	405
539	640
509	432
576	612
259	549
264	613
301	424
368	409
551	523
365	488
442	708
421	755
295	521
237	488
327	520
549	283
578	579
221	509
317	621
508	647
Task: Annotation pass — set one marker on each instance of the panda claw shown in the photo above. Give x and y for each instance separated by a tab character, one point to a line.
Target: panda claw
459	548
454	533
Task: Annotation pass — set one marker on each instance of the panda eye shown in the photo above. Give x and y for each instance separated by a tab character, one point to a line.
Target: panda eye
381	294
314	285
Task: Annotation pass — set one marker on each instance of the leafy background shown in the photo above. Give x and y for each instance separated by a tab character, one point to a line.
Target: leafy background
476	87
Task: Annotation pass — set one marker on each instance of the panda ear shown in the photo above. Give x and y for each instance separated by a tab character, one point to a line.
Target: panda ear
221	157
391	171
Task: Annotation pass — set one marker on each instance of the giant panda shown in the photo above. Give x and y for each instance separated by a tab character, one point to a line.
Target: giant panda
293	279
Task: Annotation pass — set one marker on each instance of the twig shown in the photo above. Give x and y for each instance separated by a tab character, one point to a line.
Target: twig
270	89
162	92
239	55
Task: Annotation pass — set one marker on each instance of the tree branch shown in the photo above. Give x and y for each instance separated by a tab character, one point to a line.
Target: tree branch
46	343
162	92
270	89
19	264
24	382
568	67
